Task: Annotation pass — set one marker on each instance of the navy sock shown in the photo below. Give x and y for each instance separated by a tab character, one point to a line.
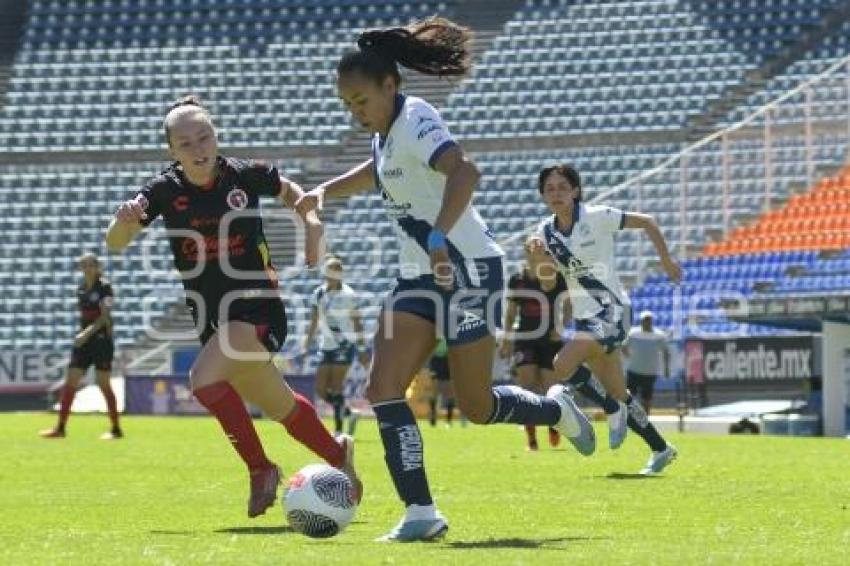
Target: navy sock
338	403
639	422
432	411
584	382
512	404
403	451
450	408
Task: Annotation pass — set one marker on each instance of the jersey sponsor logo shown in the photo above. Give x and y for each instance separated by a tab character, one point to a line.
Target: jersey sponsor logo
395	173
428	129
235	247
237	199
180	203
94	297
204	221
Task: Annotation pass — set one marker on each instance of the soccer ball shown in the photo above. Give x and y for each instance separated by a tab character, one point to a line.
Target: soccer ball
319	501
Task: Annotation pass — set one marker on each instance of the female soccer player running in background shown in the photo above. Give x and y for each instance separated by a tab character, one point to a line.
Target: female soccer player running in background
335	313
209	204
451	279
93	345
580	239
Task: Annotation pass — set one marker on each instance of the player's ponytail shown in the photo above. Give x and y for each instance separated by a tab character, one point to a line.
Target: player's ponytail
435	46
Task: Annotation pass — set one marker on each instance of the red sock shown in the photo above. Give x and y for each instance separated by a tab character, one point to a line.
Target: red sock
111	404
224	403
531	431
68	393
303	425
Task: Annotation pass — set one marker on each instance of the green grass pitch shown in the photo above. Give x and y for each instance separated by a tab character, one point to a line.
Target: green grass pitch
174	492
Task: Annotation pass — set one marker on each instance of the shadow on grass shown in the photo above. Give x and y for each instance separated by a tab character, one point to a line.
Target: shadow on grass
273	530
622	476
173	533
544	543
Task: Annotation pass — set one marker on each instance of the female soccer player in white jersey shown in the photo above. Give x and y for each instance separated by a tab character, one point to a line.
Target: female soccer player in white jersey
335	314
580	239
451	278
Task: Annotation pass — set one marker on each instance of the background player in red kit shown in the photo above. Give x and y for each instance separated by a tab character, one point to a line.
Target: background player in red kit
209	204
93	345
534	304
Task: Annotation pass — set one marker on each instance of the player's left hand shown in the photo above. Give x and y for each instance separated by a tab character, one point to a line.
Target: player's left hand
672	269
441	267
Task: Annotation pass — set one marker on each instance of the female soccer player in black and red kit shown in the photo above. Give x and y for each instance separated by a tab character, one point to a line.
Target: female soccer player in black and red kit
93	345
210	206
533	302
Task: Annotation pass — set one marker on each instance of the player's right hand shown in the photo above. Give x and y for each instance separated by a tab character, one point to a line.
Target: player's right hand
311	200
131	211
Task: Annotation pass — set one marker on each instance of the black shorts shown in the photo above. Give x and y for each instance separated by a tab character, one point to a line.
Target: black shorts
640	384
540	352
98	351
267	315
440	367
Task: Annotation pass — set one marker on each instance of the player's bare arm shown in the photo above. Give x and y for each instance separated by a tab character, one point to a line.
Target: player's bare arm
357	180
647	224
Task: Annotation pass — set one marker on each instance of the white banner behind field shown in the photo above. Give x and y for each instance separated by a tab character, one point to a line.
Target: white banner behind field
26	372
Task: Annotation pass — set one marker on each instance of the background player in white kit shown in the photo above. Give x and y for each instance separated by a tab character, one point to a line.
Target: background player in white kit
580	239
335	313
451	274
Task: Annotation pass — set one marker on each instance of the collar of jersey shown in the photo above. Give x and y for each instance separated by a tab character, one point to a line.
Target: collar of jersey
220	161
576	214
397	106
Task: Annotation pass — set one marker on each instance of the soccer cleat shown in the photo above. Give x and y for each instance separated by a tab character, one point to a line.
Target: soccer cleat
347	466
113	434
660	460
554	437
263	490
618	426
573	424
532	446
52	433
423	530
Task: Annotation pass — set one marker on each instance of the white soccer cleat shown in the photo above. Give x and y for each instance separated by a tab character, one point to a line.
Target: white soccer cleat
660	460
574	424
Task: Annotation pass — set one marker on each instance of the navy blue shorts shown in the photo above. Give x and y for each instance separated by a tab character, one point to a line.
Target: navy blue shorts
340	356
471	311
608	326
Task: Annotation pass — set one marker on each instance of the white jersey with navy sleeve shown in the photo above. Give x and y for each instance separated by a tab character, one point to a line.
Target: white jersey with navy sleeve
585	256
335	308
413	191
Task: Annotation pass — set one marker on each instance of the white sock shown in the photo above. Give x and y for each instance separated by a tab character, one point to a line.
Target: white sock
420	512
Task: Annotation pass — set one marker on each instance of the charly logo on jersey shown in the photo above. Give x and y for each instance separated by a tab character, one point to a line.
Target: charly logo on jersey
237	199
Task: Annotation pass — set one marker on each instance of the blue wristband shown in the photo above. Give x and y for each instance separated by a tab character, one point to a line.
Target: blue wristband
436	240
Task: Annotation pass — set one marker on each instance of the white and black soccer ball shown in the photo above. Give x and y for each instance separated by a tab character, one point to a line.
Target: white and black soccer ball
319	501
